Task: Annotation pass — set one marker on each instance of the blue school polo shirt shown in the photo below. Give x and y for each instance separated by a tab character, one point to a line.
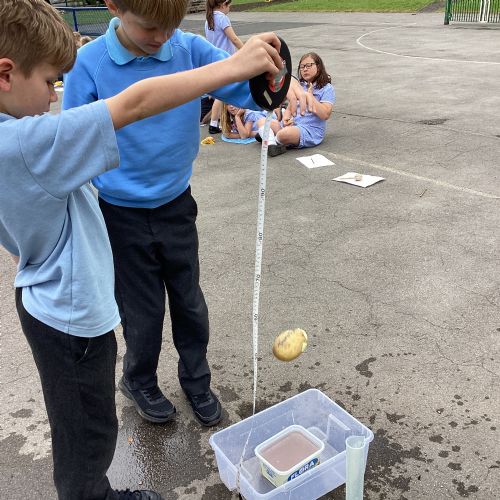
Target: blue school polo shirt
157	153
50	217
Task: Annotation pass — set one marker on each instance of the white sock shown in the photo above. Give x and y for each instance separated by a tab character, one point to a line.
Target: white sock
214	123
272	137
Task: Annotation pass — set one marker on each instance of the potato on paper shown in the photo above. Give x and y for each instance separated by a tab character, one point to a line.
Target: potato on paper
290	344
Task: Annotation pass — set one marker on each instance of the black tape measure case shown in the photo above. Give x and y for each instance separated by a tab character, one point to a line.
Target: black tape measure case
270	94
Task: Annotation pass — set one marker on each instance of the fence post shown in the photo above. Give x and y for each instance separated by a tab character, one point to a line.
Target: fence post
447	12
75	20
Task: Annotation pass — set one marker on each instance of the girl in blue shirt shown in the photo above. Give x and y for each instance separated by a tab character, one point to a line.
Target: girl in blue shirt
219	32
240	123
308	130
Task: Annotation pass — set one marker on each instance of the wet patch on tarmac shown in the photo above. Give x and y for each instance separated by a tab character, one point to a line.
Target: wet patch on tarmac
386	464
154	455
24	413
286	387
306	386
18	469
362	368
465	491
215	491
433	121
245	408
227	394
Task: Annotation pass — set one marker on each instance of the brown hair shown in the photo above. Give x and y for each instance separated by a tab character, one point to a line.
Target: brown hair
166	13
322	77
211	6
33	32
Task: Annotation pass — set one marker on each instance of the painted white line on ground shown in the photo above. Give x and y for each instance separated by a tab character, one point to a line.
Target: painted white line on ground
334	156
358	41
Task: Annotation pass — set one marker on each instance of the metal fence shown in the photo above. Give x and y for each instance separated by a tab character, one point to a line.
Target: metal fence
472	11
91	21
78	3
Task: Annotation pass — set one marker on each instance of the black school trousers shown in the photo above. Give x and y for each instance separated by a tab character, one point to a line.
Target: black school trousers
155	252
78	383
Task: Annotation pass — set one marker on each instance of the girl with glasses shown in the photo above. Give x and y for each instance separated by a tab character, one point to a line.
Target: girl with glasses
308	130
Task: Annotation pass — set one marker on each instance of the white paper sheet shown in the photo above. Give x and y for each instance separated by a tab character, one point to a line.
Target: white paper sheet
315	161
361	180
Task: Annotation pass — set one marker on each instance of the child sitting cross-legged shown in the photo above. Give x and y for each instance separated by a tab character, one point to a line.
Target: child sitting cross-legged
308	129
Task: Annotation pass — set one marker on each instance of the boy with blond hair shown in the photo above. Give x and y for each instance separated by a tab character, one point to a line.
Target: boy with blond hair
51	224
151	219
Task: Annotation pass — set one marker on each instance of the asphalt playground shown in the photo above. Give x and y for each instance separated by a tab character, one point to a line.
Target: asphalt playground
396	284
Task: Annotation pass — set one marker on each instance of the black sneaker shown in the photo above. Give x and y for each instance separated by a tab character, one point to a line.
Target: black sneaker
276	149
138	495
214	130
206	408
150	403
258	138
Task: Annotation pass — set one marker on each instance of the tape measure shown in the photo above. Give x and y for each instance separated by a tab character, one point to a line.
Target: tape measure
259	241
270	94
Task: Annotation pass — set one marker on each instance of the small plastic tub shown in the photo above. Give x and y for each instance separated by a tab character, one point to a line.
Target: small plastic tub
289	454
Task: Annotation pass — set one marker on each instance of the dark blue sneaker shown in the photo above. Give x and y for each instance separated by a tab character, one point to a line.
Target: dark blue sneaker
206	408
150	403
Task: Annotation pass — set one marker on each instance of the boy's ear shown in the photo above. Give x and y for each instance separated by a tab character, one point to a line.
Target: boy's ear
6	68
111	7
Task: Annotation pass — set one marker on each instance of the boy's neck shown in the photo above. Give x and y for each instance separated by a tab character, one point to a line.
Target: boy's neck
125	41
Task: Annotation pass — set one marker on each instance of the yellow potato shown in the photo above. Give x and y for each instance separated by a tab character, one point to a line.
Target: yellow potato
290	344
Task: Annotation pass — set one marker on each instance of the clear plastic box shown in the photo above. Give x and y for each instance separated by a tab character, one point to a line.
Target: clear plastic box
319	415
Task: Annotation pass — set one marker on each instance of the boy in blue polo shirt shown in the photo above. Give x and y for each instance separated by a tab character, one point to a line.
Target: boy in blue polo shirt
147	204
51	224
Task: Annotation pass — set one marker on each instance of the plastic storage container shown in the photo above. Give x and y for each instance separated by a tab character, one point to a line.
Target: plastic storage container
288	454
312	410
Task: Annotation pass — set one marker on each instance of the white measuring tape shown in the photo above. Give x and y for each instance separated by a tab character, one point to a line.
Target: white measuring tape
259	241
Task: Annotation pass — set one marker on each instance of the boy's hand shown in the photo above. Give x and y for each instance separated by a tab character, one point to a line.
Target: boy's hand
260	54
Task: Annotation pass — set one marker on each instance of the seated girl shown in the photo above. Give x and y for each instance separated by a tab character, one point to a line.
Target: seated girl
304	131
239	123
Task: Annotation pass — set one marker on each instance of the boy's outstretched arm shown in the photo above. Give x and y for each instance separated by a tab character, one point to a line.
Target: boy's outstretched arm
260	54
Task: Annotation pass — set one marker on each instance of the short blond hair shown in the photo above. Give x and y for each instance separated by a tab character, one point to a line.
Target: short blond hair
33	32
166	13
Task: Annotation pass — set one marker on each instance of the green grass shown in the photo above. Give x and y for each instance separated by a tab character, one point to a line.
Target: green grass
343	5
89	17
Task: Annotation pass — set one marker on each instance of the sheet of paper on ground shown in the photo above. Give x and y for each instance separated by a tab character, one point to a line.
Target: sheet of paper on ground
315	161
361	180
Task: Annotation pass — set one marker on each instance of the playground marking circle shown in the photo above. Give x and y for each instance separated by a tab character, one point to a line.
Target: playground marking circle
439	59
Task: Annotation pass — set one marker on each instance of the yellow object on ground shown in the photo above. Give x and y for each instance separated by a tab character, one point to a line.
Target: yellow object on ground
208	140
290	344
